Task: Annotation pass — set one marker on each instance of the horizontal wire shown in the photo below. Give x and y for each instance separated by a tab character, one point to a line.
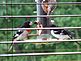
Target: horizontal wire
49	28
48	50
40	54
39	41
39	3
34	16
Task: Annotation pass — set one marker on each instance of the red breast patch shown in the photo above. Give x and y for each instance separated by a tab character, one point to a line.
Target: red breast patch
28	30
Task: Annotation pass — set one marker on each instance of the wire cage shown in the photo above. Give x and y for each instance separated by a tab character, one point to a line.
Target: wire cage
54	56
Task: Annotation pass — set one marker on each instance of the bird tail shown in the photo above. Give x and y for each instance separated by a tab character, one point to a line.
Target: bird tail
70	34
11	46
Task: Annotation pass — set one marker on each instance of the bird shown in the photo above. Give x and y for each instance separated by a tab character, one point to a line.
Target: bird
48	7
61	33
38	25
21	35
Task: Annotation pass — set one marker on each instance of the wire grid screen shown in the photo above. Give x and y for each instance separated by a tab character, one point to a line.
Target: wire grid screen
10	10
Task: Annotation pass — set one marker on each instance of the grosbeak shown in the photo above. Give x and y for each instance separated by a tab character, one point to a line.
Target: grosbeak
61	33
21	35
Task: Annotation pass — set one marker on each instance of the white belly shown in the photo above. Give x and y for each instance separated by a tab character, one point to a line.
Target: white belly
60	36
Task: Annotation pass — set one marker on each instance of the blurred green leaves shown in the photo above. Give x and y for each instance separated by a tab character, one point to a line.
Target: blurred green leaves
61	21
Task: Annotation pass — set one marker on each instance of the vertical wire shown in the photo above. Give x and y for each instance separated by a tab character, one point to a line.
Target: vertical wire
7	23
12	28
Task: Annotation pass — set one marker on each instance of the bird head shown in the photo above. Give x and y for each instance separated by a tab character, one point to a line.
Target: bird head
27	24
37	22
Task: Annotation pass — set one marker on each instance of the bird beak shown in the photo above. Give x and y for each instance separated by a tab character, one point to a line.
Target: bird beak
30	23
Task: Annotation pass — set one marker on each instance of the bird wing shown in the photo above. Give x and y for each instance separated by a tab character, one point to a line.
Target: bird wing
22	36
60	36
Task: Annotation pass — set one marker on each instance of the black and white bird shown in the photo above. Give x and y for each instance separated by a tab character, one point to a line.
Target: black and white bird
48	7
61	33
21	34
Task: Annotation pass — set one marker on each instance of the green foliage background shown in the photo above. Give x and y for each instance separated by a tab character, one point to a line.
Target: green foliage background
31	47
